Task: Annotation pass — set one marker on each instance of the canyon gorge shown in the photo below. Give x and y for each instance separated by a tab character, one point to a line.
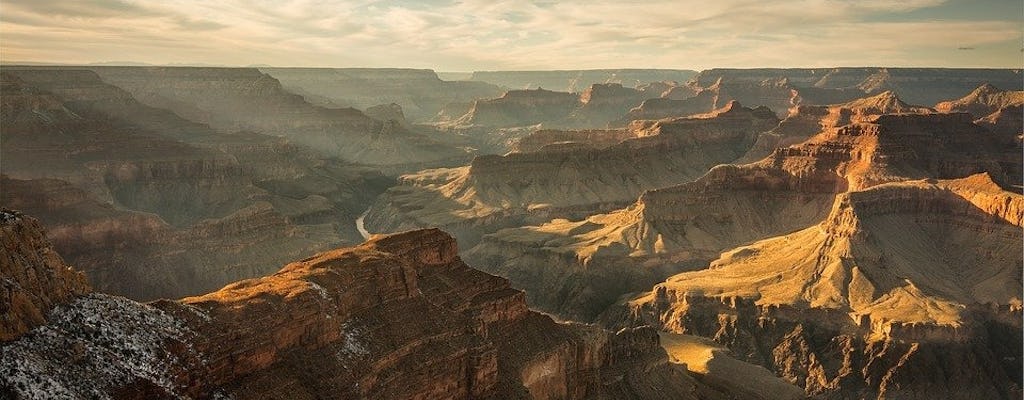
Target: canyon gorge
398	233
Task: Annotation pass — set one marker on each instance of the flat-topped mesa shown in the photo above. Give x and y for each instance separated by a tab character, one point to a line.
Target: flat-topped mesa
521	108
34	277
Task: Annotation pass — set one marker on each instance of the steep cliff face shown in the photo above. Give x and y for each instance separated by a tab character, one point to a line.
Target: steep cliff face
566	180
238	99
35	278
874	300
565	265
397	317
419	92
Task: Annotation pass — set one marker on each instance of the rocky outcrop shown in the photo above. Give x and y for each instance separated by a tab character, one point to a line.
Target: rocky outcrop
397	317
565	265
34	277
872	301
984	100
520	108
566	180
806	121
668	107
418	91
578	80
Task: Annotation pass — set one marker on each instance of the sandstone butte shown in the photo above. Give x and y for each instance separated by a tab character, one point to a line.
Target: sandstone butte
400	316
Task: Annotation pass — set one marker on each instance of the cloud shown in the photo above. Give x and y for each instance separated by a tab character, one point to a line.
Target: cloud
487	34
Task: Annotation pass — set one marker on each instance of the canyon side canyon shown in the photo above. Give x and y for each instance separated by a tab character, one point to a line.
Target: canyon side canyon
389	233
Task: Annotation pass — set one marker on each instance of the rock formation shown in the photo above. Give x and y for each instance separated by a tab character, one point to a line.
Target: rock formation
984	100
35	278
875	300
805	121
576	268
568	179
397	317
520	108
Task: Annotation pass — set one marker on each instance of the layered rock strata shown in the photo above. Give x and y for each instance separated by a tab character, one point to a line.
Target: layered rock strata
566	179
875	300
397	317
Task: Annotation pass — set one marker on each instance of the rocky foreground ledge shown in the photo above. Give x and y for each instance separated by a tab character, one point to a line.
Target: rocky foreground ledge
400	316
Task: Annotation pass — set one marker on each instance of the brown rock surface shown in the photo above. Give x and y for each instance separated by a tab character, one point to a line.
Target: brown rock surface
984	100
576	268
34	277
875	299
570	179
397	317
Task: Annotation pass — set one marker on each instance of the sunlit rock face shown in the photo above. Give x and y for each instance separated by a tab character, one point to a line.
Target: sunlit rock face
874	299
578	267
399	316
566	179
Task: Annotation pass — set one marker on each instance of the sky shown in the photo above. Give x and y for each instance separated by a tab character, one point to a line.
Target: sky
468	35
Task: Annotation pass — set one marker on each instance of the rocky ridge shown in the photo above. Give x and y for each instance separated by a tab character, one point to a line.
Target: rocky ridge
35	277
870	301
683	227
501	191
399	316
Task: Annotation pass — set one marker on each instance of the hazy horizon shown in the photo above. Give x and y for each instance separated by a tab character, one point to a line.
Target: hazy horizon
476	35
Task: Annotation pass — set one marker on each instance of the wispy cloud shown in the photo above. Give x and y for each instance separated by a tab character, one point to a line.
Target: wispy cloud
487	34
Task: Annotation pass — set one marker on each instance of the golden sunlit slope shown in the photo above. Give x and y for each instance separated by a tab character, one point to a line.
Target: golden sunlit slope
499	191
911	252
682	227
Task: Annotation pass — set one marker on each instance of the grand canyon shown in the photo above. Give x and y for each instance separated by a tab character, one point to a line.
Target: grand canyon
317	232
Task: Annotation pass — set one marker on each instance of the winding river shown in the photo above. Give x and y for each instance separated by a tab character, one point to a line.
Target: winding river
361	227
